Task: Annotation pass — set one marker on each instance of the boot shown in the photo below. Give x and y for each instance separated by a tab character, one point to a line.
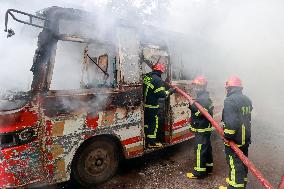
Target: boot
191	175
155	145
209	170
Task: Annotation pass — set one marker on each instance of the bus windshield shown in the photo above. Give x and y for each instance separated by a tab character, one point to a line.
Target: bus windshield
15	75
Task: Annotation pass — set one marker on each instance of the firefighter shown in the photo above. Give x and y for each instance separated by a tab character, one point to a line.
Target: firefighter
237	127
153	89
202	129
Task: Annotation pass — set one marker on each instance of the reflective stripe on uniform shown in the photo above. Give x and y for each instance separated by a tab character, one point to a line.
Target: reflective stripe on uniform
159	89
232	181
208	129
229	131
167	93
146	92
226	144
243	135
147	82
209	164
156	128
149	85
162	89
146	126
233	170
151	106
234	184
197	113
198	168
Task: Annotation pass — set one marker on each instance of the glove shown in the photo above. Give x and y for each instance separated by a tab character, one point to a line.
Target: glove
229	137
171	91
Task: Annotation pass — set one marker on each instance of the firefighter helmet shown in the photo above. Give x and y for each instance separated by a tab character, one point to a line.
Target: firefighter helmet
233	81
159	67
200	80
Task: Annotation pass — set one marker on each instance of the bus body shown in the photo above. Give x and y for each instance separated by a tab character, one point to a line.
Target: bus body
49	135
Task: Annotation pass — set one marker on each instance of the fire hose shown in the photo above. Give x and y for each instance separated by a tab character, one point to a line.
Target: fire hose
232	144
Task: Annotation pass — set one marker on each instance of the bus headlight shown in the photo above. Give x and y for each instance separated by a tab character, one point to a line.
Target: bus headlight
17	138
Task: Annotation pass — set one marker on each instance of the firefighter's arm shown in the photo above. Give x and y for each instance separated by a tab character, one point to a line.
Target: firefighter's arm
193	108
161	91
230	119
205	103
210	107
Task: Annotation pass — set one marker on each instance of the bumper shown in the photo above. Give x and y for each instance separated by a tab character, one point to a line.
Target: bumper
21	165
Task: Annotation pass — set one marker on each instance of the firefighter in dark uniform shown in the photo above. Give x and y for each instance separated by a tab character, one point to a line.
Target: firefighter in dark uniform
153	89
202	129
237	127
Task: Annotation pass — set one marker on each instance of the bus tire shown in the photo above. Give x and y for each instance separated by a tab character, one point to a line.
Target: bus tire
95	162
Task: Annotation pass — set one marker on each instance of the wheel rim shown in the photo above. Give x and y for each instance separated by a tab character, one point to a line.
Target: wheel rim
97	162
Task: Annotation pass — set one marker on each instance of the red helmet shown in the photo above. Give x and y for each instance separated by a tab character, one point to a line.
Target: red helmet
159	67
200	80
233	81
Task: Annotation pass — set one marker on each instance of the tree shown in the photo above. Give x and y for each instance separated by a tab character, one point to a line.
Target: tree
139	11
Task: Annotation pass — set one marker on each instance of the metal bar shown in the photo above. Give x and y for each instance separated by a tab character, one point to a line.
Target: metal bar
24	22
98	65
27	14
244	159
9	12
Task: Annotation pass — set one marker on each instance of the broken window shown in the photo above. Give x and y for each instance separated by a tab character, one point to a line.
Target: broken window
68	66
99	62
82	66
151	55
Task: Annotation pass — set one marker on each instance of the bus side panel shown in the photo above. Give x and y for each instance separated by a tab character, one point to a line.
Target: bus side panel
130	130
180	115
66	133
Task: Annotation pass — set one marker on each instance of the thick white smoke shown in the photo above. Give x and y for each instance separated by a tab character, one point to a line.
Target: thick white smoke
222	38
17	52
228	37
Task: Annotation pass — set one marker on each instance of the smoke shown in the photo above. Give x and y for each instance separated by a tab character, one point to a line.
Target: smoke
228	37
17	52
220	38
223	38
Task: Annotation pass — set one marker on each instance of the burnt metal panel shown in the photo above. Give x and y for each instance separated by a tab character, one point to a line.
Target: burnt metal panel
130	67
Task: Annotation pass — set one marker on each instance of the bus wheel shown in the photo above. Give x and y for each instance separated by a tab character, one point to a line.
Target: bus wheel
95	162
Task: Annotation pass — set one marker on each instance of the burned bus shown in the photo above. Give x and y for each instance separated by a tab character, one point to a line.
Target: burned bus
84	110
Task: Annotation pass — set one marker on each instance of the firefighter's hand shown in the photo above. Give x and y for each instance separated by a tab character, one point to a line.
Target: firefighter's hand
191	104
171	91
226	141
229	137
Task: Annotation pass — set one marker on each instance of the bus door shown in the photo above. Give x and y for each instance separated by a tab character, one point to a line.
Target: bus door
179	115
151	54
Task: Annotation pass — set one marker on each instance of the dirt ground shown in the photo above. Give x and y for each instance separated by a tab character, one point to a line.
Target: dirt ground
167	168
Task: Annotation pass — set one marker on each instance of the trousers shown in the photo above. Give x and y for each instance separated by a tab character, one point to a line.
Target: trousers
238	171
203	152
151	124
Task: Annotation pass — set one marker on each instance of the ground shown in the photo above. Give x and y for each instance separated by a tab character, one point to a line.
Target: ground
167	168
